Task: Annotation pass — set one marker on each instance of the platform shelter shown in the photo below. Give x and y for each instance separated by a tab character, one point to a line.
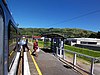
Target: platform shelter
57	43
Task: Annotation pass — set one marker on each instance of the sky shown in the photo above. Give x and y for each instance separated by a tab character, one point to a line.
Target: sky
82	14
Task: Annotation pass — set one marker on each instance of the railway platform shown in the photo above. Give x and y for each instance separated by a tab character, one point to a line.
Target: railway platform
46	64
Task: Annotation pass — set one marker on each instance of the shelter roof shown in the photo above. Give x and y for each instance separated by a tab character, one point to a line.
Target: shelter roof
52	35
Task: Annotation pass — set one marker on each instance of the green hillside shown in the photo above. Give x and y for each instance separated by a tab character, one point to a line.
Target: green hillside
67	32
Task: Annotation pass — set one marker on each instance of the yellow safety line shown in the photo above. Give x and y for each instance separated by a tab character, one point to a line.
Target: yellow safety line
11	53
39	72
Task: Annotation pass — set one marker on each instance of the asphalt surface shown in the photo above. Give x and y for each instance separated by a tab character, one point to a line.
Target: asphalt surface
32	67
49	65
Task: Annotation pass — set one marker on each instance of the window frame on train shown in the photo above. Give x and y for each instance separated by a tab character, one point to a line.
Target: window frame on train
14	40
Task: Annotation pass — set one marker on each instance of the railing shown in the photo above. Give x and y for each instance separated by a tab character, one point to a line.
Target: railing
75	54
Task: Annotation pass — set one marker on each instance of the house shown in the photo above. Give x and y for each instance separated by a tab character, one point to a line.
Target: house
85	41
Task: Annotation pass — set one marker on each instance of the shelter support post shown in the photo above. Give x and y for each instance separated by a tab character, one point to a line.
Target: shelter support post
92	66
74	60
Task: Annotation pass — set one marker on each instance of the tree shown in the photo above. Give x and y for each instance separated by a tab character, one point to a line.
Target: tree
98	34
93	35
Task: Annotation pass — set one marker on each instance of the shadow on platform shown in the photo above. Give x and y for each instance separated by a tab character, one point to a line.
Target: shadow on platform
67	66
34	55
47	50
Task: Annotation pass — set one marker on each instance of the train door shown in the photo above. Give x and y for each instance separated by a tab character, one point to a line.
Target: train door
1	41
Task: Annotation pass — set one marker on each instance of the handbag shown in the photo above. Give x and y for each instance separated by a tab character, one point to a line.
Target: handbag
38	50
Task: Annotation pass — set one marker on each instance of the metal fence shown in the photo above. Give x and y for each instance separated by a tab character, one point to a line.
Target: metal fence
75	58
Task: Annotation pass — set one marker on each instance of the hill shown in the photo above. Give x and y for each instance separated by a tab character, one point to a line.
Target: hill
67	32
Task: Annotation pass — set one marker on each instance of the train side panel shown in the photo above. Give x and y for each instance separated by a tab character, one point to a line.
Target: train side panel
1	40
8	39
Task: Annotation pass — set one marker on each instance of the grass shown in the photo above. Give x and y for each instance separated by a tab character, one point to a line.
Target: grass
79	59
83	51
46	45
41	44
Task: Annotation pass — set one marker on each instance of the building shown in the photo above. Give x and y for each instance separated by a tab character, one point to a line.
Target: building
89	43
86	41
36	37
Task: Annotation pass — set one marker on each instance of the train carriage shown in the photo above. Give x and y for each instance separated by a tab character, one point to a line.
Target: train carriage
8	39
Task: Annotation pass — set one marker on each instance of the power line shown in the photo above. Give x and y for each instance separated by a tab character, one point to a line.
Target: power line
74	18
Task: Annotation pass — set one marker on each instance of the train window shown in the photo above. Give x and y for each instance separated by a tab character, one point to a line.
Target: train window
1	41
12	34
19	38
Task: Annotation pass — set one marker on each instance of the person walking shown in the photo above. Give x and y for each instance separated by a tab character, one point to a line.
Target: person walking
24	45
27	45
35	47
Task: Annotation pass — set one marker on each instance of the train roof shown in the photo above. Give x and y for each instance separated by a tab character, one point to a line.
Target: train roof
7	11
